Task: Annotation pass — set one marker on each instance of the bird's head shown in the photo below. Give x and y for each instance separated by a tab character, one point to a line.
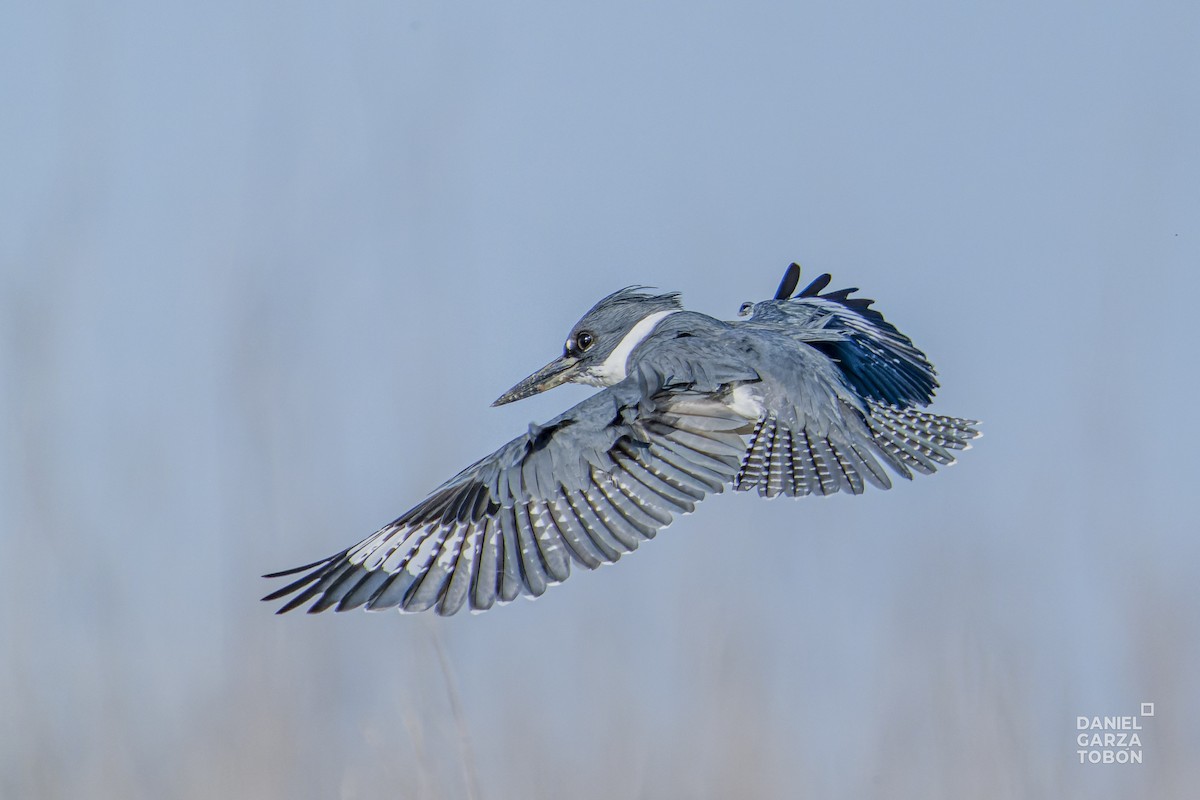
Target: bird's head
598	347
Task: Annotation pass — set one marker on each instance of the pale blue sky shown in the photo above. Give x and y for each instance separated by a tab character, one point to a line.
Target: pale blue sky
263	269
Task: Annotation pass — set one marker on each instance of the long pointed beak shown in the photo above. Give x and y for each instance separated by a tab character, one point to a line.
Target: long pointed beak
558	371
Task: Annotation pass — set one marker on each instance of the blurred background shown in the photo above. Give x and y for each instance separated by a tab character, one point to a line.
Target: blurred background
264	266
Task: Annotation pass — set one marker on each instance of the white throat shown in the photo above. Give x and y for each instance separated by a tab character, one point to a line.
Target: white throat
615	367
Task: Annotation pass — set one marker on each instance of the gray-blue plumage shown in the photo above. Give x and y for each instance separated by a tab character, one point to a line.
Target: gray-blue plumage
810	394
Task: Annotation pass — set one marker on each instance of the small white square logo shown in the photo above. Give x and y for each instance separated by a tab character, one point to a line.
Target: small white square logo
1147	709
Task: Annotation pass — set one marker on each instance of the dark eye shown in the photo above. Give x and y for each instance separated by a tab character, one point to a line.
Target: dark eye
584	340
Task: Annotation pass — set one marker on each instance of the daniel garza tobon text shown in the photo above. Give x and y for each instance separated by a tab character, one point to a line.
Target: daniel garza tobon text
1109	740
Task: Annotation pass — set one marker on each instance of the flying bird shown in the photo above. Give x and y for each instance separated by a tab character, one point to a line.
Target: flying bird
809	394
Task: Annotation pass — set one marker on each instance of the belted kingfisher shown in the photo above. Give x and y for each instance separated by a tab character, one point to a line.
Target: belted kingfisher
808	395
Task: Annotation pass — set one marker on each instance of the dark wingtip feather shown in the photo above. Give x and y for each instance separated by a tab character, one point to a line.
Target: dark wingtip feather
791	277
814	288
294	570
292	587
313	573
296	602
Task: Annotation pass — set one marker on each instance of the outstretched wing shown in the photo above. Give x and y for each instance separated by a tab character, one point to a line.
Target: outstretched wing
878	361
838	394
586	487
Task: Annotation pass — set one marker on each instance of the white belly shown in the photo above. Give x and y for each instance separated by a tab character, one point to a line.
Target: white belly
745	401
